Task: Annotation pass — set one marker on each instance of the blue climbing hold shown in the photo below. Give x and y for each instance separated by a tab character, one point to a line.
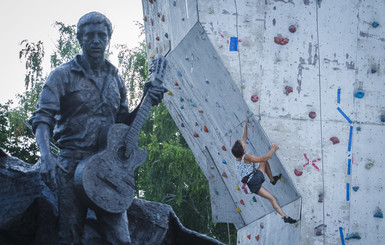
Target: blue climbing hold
378	215
224	161
192	103
179	73
174	3
382	118
359	93
355	188
373	70
353	235
375	24
358	128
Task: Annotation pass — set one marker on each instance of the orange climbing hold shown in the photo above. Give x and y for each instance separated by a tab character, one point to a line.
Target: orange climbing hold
176	84
201	111
249	236
242	202
224	175
196	135
257	238
205	129
163	18
224	148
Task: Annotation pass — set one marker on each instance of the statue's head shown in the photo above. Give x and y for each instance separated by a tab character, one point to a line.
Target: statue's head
92	18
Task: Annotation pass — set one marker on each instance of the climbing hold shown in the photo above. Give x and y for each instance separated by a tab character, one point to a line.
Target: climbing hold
192	103
182	19
201	111
282	179
179	73
196	124
170	93
157	38
254	200
375	24
312	114
254	98
244	188
237	187
358	128
224	162
216	192
181	99
212	176
224	148
182	125
296	224
158	15
145	18
174	3
369	165
205	129
261	226
355	188
224	175
196	135
297	172
239	210
176	84
166	35
292	28
353	235
359	93
320	198
382	118
373	70
207	81
211	11
257	238
288	90
242	202
274	22
163	18
249	236
149	45
152	22
212	167
319	230
281	40
335	140
151	1
378	214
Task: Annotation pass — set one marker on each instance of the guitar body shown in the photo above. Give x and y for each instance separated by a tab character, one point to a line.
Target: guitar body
106	180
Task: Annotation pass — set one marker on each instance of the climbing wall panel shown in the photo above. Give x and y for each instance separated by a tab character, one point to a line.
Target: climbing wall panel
210	107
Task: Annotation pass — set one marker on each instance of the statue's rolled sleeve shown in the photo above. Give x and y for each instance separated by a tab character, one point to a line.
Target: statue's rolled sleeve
48	105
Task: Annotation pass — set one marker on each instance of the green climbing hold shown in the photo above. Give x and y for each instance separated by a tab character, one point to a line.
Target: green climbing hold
216	192
166	35
182	107
181	99
254	199
369	165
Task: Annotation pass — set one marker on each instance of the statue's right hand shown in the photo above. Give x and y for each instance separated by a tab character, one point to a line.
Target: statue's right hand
48	170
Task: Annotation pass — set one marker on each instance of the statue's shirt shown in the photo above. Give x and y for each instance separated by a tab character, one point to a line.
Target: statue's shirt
77	107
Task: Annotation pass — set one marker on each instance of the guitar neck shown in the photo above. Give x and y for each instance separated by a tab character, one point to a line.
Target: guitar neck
137	124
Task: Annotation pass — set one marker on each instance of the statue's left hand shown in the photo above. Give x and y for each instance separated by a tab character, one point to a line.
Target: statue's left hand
155	93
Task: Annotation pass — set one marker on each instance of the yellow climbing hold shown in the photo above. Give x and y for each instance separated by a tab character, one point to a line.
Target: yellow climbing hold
170	93
237	187
153	54
296	224
239	210
282	179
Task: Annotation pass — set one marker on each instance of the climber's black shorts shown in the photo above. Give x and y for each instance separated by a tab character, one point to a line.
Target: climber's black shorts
256	181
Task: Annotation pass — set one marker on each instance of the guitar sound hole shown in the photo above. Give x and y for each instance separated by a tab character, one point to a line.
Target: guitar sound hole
121	153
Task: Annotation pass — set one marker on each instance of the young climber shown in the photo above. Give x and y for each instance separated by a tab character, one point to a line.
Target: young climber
255	177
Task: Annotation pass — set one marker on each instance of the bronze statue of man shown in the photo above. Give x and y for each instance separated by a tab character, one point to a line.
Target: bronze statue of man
79	100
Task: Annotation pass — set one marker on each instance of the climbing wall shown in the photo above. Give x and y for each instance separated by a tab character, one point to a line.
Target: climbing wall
309	76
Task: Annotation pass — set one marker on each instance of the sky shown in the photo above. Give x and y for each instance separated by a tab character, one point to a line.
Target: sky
34	20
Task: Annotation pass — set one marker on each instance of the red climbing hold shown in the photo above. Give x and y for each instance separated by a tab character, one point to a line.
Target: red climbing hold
242	202
288	90
281	40
297	172
224	148
163	18
335	140
205	129
254	98
224	175
176	84
158	15
157	38
196	135
149	45
151	1
292	28
145	18
201	111
196	124
257	238
249	236
312	114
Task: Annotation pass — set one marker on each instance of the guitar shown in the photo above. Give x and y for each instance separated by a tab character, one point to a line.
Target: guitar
106	180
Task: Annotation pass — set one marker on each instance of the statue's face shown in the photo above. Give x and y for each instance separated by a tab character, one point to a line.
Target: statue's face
94	40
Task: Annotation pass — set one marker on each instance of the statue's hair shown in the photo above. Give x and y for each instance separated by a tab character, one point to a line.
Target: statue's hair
92	18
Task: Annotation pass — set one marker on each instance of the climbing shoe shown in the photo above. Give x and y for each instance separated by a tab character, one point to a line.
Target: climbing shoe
289	220
276	178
